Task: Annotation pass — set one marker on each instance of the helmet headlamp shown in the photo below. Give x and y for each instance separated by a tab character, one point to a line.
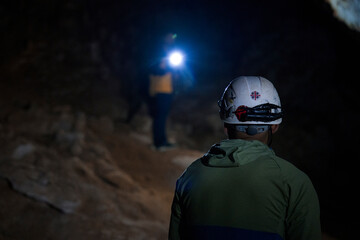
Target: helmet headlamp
176	59
263	113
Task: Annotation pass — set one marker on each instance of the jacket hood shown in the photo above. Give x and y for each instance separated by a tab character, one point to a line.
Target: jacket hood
235	152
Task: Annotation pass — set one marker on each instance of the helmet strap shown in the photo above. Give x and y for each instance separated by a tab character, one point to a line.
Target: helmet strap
269	136
252	129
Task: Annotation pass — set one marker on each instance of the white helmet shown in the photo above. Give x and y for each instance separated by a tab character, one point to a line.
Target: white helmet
250	100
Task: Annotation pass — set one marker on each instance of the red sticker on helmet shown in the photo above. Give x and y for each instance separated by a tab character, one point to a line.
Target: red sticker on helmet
241	113
255	95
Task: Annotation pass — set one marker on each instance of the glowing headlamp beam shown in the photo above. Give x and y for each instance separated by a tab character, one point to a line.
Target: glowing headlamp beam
176	59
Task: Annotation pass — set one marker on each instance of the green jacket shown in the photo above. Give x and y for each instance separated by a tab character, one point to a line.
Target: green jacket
242	190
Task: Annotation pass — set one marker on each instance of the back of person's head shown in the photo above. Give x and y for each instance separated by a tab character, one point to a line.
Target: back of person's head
169	38
250	105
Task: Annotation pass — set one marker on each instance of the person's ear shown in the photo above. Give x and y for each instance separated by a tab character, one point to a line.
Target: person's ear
226	131
274	128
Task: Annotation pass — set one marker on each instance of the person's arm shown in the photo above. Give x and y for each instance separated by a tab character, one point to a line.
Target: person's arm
174	229
303	218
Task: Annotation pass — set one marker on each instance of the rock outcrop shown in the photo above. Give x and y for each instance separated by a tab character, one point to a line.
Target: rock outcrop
67	175
347	11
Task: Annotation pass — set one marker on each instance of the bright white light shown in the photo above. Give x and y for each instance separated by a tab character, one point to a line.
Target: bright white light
176	59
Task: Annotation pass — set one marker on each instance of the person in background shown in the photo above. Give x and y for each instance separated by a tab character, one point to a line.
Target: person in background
240	189
161	88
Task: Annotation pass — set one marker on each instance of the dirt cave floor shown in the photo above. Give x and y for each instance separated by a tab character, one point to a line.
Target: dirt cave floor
109	185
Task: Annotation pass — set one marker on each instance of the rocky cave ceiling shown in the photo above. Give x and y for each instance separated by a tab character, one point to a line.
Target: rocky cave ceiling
348	11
